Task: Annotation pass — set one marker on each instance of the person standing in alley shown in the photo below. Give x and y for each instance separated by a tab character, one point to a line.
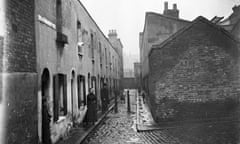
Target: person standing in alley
122	95
104	97
92	107
128	101
143	96
116	93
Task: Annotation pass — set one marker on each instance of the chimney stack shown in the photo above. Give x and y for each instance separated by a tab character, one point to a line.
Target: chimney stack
165	5
175	6
174	12
112	34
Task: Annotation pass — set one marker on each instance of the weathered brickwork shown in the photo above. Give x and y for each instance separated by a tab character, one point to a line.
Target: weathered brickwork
157	28
19	51
1	53
19	73
21	111
197	65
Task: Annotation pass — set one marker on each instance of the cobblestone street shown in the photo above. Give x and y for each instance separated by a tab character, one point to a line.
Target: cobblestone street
120	129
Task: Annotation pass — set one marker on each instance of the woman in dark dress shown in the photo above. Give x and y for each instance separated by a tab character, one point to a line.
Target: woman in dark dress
92	107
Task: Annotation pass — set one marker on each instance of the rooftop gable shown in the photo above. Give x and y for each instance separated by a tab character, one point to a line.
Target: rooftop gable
182	31
148	14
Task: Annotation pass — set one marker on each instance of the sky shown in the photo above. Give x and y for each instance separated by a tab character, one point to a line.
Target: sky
127	16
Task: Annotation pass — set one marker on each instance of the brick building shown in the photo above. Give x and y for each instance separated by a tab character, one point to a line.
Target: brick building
157	28
194	72
54	49
186	63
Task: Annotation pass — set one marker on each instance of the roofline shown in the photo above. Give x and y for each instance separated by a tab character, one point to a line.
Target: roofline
235	25
120	42
158	14
161	15
199	18
97	26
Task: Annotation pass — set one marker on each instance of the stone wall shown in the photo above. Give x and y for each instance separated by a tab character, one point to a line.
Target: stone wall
197	67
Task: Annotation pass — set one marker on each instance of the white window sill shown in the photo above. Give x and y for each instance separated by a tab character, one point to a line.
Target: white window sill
61	119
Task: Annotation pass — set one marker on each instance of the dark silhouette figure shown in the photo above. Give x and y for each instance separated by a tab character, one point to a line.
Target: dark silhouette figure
128	102
122	97
92	107
143	96
116	93
104	98
46	118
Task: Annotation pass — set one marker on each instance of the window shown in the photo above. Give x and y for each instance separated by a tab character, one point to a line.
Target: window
79	39
59	15
60	95
81	91
89	81
109	61
94	84
100	52
106	56
92	46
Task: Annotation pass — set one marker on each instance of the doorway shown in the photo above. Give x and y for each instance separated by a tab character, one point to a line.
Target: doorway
45	83
73	92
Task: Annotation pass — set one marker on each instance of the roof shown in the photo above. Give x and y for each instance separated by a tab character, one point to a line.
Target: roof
164	16
216	19
97	26
236	25
183	30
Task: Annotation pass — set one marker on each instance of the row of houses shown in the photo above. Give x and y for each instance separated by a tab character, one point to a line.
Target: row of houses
190	67
53	49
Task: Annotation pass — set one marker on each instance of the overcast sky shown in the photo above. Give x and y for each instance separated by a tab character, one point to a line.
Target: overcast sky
127	16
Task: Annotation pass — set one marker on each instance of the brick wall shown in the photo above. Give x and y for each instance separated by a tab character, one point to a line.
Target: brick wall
20	77
1	53
157	29
20	49
198	66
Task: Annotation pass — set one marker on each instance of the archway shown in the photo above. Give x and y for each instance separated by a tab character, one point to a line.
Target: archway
45	84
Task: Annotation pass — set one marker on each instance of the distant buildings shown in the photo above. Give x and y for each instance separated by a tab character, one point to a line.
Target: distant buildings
189	68
54	50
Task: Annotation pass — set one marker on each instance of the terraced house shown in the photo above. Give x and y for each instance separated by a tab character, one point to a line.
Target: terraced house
54	50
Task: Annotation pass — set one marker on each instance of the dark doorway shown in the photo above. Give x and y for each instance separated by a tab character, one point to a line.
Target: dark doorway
73	92
45	83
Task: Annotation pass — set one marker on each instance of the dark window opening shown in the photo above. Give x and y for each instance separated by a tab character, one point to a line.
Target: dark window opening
81	91
60	95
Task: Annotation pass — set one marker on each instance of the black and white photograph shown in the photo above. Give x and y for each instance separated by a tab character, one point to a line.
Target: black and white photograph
119	71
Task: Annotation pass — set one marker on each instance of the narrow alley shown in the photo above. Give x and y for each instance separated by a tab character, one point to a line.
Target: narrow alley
120	128
119	72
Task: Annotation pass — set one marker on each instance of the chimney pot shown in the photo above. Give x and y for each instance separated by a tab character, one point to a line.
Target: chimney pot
166	5
175	6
